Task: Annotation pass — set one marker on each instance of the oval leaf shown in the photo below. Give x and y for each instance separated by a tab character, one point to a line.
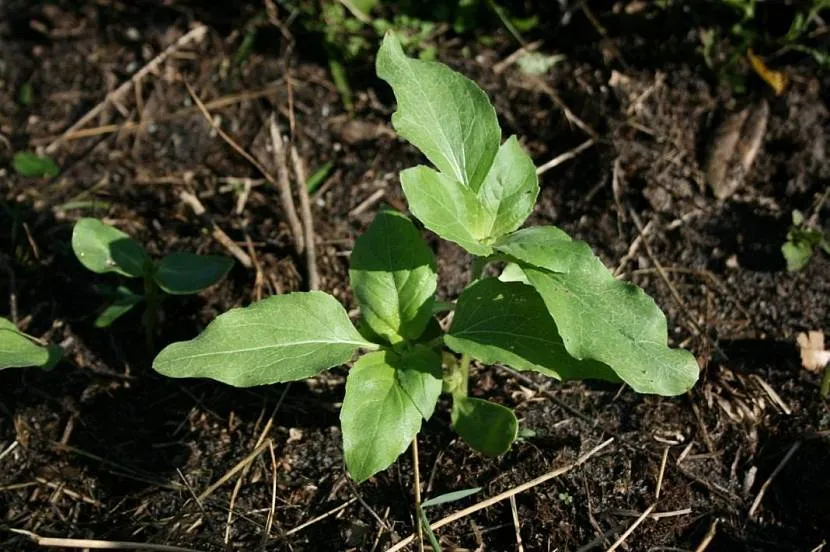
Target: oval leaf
282	338
387	396
31	165
188	273
102	248
442	113
510	189
487	427
600	317
393	276
17	350
508	322
447	208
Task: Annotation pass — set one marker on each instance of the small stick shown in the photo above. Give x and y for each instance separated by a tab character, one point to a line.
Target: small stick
710	535
321	517
567	156
757	502
631	529
61	489
368	202
308	221
417	490
283	184
234	470
99	544
195	35
515	512
218	234
506	494
660	475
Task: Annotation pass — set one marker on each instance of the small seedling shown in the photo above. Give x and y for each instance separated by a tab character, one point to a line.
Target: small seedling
802	241
556	309
103	249
19	350
31	165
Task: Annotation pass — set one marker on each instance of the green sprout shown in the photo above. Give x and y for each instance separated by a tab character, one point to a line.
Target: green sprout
555	310
802	240
102	249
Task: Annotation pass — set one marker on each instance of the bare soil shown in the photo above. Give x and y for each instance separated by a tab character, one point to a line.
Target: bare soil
104	448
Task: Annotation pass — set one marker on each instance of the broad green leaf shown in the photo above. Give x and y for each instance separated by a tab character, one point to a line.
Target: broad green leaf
282	338
510	189
487	427
123	302
797	254
507	322
447	208
18	350
102	248
188	273
31	165
387	396
599	317
393	277
442	113
513	273
446	498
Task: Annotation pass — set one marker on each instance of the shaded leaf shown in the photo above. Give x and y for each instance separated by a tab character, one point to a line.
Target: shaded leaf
17	350
102	248
393	277
122	303
31	165
282	338
387	396
487	427
188	273
507	322
599	317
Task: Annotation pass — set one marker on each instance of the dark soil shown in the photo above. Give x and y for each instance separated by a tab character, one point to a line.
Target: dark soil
104	448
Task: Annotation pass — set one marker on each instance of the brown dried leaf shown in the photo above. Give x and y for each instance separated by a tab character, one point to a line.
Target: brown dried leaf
813	355
734	149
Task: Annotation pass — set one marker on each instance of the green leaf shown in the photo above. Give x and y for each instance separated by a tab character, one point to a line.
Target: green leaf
122	303
487	427
510	189
31	165
447	208
599	317
387	396
282	338
17	350
393	277
507	322
797	253
442	113
102	248
188	273
454	496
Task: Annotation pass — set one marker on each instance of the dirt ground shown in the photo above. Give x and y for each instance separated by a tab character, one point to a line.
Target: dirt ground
104	448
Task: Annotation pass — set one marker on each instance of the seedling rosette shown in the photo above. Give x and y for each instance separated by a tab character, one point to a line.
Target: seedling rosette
556	309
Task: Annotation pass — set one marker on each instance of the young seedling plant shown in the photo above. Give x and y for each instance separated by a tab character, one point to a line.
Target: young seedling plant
555	310
103	249
20	350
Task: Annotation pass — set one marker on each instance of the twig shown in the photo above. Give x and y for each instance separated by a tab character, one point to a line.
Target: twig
99	544
506	494
631	529
570	115
195	35
218	234
757	502
234	470
416	485
283	184
567	156
710	535
321	517
308	221
516	525
368	202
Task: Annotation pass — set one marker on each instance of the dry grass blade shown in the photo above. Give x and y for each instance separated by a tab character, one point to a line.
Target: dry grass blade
234	470
218	234
567	156
308	220
92	544
787	457
321	517
631	529
283	184
507	494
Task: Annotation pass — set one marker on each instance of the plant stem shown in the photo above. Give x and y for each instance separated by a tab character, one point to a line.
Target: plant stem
151	314
464	369
825	382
